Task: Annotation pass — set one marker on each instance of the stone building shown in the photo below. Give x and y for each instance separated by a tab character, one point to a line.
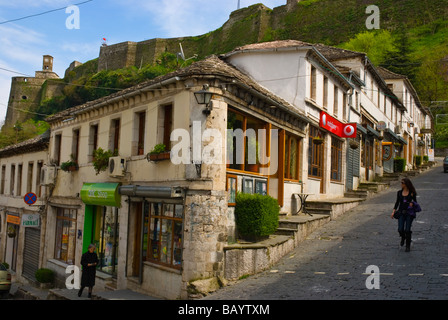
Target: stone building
22	225
158	225
28	92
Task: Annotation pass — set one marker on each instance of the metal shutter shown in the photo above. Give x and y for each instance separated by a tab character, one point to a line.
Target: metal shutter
31	252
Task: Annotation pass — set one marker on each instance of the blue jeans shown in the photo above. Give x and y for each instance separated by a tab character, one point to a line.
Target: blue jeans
404	223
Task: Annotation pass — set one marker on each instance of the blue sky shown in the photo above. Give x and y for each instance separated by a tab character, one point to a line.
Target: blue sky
24	42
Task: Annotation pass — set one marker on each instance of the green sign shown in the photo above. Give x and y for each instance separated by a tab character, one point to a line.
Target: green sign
101	194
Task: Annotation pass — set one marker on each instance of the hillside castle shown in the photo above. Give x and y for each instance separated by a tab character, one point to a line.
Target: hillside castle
252	24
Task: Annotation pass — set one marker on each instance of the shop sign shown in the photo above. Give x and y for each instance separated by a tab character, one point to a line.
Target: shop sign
30	220
101	194
343	130
13	219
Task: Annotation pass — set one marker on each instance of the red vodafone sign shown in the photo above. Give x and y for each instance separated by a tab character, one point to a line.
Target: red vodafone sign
343	130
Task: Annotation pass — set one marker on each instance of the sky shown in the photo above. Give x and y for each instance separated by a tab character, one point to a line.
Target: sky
48	27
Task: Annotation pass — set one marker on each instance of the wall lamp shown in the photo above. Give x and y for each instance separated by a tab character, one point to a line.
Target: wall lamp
204	97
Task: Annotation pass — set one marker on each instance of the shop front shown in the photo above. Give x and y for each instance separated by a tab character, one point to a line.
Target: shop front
101	224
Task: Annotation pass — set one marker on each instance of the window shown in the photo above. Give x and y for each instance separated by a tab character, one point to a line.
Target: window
57	148
2	185
75	145
12	181
141	117
165	234
93	140
167	125
313	83
114	136
245	150
344	106
291	157
40	164
65	235
336	101
19	179
232	188
29	183
315	155
325	102
336	159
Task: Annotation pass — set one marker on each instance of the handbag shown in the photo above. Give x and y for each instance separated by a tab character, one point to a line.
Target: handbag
397	214
414	209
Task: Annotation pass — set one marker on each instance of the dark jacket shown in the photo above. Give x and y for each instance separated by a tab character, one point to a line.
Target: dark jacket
88	273
402	202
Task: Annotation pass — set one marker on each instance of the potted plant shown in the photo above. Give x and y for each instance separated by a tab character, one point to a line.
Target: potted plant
101	159
158	153
318	140
353	144
12	232
70	165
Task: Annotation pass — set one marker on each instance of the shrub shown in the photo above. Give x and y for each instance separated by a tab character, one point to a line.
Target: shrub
425	158
44	275
399	164
418	160
256	215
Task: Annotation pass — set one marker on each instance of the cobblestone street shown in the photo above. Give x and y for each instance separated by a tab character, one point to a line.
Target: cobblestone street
332	262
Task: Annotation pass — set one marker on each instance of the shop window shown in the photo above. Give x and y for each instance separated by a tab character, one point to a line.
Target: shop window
315	154
165	234
336	159
65	242
105	229
291	157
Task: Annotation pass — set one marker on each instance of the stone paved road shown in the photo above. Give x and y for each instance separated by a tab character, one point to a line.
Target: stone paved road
332	262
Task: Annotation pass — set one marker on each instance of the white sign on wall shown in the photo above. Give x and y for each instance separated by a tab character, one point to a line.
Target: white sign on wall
30	220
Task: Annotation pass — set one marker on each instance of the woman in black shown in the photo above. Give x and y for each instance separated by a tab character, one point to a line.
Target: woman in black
405	197
89	260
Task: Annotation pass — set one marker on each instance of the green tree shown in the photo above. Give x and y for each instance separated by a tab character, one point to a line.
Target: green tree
377	44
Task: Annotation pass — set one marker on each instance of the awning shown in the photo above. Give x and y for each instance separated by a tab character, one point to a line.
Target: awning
101	194
151	191
361	129
402	140
372	131
391	133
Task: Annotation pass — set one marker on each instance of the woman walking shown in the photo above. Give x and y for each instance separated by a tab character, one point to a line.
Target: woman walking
89	260
405	199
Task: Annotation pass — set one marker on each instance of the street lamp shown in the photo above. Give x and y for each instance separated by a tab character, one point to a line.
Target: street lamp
204	97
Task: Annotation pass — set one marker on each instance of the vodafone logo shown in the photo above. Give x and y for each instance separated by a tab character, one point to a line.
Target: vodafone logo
349	130
324	119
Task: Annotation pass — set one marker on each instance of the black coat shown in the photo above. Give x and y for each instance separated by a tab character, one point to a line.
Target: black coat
88	273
